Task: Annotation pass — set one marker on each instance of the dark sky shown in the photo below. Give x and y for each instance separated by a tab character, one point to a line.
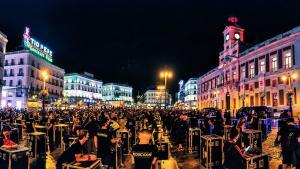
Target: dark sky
130	41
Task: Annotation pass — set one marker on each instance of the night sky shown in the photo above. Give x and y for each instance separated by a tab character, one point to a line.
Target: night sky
130	41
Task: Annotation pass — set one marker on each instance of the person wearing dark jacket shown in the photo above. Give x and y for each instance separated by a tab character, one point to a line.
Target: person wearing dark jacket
233	154
288	138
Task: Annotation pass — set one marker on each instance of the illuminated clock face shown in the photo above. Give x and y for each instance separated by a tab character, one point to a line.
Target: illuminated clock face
237	36
227	37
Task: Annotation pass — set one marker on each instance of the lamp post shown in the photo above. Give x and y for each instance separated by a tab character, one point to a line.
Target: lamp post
160	88
289	79
166	75
44	92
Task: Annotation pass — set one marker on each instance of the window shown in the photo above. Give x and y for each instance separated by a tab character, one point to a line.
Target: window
21	62
251	71
6	63
274	64
20	72
32	73
11	73
287	60
20	82
234	76
11	83
262	67
13	62
227	77
4	82
243	72
5	73
32	63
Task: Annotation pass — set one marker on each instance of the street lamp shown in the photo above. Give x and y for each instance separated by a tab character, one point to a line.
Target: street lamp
166	75
44	92
289	78
160	88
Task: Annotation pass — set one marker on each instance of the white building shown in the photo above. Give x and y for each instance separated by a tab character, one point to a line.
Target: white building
3	42
82	87
156	98
190	93
117	94
23	79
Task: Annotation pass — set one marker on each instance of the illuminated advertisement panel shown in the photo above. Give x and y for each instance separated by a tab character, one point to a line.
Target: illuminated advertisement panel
36	47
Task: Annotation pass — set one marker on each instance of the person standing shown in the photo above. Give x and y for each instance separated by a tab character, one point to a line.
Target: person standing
288	139
227	117
218	124
182	131
105	143
144	155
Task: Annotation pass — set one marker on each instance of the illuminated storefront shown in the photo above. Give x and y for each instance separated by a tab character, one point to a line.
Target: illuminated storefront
23	74
82	87
264	74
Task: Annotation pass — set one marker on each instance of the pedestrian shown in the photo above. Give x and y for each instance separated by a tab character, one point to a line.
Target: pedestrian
288	139
105	143
144	155
218	124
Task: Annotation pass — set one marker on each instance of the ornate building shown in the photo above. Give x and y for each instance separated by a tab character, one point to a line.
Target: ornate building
264	74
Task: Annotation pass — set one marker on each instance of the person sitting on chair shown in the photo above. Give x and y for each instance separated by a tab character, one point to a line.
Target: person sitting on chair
75	151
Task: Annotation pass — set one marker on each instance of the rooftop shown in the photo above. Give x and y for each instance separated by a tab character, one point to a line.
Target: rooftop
271	40
116	84
28	52
82	75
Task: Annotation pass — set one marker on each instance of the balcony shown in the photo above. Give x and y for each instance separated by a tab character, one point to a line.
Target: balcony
11	74
20	74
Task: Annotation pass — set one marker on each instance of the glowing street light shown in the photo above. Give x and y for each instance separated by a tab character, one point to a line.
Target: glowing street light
45	77
166	75
289	78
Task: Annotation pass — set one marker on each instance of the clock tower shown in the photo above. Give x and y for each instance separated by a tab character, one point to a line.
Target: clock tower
233	34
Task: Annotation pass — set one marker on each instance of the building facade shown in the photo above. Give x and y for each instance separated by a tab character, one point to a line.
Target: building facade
264	74
3	42
156	99
117	94
180	94
82	87
24	75
190	93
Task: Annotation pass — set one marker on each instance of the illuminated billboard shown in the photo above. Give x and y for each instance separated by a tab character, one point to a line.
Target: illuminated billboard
36	47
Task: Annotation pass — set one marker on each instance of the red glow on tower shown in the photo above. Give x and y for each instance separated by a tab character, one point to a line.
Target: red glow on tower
233	19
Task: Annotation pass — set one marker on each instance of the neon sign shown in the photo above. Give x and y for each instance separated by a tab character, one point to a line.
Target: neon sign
36	47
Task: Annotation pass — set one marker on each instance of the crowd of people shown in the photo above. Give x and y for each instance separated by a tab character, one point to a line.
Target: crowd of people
96	131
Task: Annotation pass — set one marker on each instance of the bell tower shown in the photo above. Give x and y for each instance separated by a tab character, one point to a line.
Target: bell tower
233	34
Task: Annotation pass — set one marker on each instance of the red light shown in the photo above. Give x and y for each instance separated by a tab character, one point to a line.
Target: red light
233	19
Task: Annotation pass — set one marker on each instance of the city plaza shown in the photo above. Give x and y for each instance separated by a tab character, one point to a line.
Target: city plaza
34	91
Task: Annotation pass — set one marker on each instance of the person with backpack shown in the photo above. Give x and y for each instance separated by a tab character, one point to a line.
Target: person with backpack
288	140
